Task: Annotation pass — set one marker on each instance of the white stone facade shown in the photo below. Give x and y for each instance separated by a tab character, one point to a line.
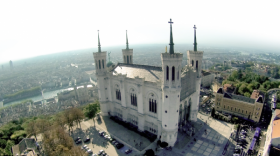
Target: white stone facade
158	106
155	99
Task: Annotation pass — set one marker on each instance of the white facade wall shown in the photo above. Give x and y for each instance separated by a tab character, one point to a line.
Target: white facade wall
207	80
166	93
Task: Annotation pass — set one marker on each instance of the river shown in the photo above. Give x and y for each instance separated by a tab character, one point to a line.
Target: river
47	95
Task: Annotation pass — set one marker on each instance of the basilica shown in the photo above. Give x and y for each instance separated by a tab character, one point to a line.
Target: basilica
155	99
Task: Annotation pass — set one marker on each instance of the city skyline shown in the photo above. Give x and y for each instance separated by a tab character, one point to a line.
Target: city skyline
38	28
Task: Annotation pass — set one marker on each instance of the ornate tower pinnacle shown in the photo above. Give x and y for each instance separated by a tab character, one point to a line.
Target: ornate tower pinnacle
171	50
194	44
99	46
126	41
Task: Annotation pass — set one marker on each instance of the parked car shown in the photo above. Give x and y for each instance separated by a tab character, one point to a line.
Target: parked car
102	133
87	139
101	152
119	146
128	151
77	139
89	151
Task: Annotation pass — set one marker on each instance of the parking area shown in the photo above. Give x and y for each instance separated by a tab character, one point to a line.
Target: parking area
116	132
246	141
206	107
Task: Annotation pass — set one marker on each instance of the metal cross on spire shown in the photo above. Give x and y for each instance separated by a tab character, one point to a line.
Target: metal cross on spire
171	50
99	46
126	41
194	44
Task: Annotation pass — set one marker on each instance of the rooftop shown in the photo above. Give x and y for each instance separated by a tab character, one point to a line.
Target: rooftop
150	73
277	114
239	98
229	88
256	94
205	73
276	129
26	145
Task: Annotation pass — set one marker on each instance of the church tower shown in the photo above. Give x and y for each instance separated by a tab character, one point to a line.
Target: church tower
127	53
195	61
101	69
171	88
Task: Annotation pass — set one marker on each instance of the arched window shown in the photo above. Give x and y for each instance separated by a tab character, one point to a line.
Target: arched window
235	109
152	104
124	59
99	64
133	98
196	64
167	73
118	94
127	59
246	112
178	75
130	59
227	107
231	108
224	106
103	63
192	63
173	73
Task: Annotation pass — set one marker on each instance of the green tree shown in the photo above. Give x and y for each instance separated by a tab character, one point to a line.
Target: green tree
9	147
3	143
32	129
243	89
78	115
91	110
247	94
69	119
235	119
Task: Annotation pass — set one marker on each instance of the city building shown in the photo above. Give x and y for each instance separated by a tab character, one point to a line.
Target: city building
207	78
155	99
228	102
272	142
79	94
11	65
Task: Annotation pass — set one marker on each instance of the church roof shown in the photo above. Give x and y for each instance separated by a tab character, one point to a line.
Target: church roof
150	73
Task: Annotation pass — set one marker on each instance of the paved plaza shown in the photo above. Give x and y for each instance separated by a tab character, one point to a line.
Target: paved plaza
211	138
208	143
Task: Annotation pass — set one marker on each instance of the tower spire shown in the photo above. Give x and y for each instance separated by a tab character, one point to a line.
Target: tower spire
194	44
126	41
171	50
99	46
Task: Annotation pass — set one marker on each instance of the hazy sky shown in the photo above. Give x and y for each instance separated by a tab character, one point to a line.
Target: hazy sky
31	28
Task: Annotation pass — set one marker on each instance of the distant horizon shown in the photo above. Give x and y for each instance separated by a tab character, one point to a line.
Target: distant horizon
136	46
